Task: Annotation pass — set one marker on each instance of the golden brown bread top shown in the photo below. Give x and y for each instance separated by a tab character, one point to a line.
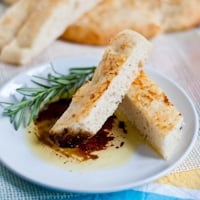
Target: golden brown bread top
154	103
112	61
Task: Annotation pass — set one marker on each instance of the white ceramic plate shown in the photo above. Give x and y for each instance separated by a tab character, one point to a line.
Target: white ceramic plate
142	167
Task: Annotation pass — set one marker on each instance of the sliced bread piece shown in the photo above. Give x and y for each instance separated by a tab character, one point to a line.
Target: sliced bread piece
45	24
13	19
95	101
148	108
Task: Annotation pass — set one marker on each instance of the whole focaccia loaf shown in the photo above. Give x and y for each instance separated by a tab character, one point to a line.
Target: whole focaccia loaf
148	17
109	17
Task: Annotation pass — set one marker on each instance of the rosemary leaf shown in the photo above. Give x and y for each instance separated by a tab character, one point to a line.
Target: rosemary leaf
21	118
52	87
29	91
40	84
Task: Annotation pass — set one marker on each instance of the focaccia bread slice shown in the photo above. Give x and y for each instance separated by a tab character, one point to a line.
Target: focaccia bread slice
13	19
45	24
149	109
109	17
96	100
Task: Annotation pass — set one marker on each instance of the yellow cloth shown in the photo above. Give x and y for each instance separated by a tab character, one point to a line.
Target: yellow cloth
187	179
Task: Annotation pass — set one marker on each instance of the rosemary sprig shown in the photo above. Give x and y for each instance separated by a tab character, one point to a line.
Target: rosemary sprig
56	86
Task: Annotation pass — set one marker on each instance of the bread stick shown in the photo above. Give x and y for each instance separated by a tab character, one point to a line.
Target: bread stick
149	109
98	99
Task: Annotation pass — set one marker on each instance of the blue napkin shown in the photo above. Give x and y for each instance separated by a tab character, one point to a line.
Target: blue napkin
126	195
